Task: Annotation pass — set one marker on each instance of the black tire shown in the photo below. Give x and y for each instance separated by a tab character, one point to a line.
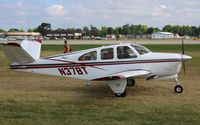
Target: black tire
130	82
178	89
120	94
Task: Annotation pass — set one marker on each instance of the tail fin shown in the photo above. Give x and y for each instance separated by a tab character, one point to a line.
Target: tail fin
28	52
32	47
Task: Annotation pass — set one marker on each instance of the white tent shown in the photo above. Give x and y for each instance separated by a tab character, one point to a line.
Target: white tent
162	35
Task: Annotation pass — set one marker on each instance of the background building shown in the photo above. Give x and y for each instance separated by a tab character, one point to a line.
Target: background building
63	35
162	35
18	35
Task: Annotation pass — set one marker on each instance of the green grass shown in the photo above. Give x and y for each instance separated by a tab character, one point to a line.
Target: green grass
45	100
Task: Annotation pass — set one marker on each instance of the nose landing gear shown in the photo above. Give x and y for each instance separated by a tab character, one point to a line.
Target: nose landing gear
178	88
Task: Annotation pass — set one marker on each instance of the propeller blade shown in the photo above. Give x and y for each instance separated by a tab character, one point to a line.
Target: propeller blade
183	52
184	68
183	48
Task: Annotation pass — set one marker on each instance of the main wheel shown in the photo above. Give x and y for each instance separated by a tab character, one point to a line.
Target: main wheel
178	89
120	94
130	82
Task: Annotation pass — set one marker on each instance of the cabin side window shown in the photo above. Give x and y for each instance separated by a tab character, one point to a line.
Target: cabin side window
124	52
107	54
88	56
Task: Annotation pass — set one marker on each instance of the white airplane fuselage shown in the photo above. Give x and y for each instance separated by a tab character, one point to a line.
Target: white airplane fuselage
160	65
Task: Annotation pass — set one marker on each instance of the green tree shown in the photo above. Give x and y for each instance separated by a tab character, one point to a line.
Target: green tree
120	31
177	29
2	30
103	31
43	28
126	29
195	31
86	30
13	30
110	30
151	30
59	30
168	28
70	30
116	31
32	30
79	30
21	30
142	29
186	30
94	31
138	29
134	29
199	32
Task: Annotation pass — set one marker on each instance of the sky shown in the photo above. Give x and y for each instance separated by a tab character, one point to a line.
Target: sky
24	14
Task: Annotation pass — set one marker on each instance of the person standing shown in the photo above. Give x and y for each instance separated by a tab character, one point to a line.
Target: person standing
67	48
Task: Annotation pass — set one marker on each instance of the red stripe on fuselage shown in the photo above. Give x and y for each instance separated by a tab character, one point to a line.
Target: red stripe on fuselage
38	66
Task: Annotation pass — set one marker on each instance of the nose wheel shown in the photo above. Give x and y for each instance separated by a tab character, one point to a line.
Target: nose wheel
178	88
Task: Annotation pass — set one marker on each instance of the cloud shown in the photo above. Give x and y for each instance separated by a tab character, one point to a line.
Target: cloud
79	6
77	13
21	13
162	12
56	10
187	10
162	7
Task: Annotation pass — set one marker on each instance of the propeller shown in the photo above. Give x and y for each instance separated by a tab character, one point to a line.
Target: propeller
183	52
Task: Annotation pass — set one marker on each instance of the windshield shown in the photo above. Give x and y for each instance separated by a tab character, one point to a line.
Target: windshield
140	49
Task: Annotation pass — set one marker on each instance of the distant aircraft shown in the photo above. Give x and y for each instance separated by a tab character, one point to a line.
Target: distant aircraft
119	64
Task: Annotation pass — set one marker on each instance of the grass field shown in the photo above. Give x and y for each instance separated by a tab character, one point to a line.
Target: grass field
46	100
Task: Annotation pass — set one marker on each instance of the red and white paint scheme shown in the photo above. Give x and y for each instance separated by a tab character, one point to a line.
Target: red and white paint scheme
119	64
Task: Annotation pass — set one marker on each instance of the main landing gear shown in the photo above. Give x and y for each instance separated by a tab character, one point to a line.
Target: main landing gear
178	88
130	82
120	94
119	86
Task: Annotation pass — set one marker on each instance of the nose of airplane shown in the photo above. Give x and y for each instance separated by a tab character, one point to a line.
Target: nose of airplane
186	57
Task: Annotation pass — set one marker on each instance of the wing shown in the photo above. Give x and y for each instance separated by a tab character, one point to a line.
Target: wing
133	73
125	74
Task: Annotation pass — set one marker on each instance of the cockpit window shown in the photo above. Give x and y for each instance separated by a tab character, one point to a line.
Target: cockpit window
140	49
88	56
124	52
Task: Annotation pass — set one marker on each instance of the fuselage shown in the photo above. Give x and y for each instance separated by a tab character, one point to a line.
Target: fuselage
96	63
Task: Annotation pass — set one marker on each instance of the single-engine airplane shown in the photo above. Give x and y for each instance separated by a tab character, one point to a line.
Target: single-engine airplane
119	64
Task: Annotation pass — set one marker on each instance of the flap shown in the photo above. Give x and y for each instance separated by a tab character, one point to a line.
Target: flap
125	74
132	73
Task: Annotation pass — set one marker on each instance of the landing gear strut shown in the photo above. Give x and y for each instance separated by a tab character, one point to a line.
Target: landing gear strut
178	88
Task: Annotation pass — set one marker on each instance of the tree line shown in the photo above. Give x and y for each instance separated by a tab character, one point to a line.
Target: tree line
127	29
